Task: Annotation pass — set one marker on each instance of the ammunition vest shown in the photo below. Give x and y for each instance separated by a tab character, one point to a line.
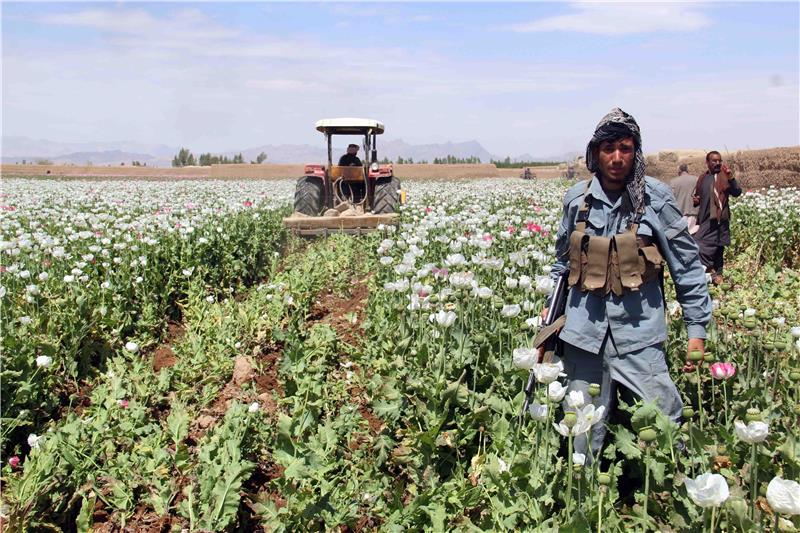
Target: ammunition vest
619	264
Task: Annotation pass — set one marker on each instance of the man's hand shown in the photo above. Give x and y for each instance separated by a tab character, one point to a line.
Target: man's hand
726	172
694	345
540	349
540	354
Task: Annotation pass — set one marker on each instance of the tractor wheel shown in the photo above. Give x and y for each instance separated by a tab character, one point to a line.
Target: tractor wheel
387	197
308	196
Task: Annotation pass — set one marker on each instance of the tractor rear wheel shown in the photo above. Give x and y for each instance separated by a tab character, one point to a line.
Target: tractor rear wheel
308	196
387	196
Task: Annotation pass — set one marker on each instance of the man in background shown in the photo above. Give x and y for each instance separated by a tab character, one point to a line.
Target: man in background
711	195
683	188
350	159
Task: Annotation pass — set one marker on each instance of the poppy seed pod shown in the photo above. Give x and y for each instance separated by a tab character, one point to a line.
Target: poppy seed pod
594	389
648	434
753	415
695	355
570	419
604	479
687	412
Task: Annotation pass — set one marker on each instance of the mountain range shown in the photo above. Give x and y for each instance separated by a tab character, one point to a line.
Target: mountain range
15	149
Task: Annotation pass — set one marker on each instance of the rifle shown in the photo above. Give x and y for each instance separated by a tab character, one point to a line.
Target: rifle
548	335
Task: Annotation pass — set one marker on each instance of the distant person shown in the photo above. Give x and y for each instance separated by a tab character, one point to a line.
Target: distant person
683	188
711	193
570	172
350	159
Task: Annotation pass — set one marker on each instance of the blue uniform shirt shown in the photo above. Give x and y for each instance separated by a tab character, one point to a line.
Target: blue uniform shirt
637	319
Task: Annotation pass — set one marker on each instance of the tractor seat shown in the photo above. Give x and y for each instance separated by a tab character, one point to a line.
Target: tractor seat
347	173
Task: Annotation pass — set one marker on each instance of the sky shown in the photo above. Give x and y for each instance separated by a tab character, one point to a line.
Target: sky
517	77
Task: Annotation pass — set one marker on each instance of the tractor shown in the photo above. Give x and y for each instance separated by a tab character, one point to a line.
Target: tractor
347	199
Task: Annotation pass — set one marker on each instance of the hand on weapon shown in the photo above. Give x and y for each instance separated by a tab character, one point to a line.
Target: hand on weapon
546	341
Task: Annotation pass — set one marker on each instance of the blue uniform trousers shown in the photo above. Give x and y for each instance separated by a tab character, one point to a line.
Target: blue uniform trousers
643	373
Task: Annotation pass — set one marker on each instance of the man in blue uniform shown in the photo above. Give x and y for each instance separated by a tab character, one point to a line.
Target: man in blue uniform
617	231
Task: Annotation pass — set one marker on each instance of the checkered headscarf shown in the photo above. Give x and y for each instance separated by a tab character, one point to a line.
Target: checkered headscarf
616	125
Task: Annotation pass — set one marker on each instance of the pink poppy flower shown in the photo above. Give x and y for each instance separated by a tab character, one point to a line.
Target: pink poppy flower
723	371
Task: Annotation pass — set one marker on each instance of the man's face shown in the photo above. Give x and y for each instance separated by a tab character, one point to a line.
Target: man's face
714	163
352	150
616	159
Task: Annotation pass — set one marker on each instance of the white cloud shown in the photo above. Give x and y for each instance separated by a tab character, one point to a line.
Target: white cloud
620	19
180	24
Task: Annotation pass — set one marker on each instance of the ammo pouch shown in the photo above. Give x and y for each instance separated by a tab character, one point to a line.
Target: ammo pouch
619	264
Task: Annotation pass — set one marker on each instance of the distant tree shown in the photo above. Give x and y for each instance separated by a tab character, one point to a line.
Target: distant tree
44	162
400	160
261	158
184	158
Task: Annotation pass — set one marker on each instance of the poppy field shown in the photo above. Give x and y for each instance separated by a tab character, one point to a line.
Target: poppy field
174	360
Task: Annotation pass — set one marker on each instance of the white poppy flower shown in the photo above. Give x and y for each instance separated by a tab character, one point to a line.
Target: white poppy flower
538	411
484	293
592	414
556	391
578	459
525	358
576	399
752	433
445	318
708	490
534	322
510	311
547	373
783	496
44	361
131	346
34	440
253	407
544	284
581	426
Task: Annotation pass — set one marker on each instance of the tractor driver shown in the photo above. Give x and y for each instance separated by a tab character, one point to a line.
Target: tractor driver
350	159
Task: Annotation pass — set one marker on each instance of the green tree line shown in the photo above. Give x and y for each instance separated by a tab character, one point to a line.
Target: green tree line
508	163
186	158
449	160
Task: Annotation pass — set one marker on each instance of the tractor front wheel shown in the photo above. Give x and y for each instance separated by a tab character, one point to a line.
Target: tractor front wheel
308	196
387	196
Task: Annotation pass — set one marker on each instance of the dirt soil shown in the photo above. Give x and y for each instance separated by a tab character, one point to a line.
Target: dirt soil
163	356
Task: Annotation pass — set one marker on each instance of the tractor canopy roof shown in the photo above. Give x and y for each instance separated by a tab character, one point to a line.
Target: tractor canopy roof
349	126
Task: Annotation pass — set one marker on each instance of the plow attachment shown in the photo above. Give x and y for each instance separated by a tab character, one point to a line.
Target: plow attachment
327	225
